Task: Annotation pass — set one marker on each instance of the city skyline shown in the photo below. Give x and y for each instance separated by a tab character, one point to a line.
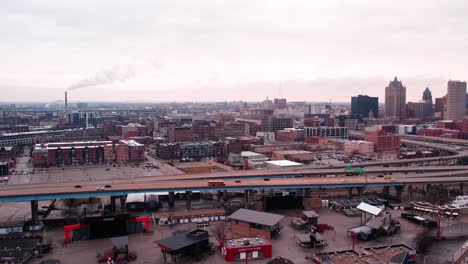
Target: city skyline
237	50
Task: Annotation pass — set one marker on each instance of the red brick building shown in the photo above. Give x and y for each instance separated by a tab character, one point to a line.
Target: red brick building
289	135
384	142
180	134
316	140
311	122
87	152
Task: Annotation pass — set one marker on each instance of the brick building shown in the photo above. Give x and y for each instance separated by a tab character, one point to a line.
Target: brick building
274	123
316	140
189	150
358	146
180	133
289	135
302	156
87	152
204	132
384	142
311	122
255	223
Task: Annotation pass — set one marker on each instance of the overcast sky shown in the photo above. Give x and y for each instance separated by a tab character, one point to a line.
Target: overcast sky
216	50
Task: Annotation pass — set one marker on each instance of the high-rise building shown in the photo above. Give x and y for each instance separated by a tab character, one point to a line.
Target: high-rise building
427	95
395	100
274	123
438	105
419	110
279	103
456	100
267	104
361	105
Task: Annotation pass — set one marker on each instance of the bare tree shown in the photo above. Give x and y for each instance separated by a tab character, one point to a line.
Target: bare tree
220	231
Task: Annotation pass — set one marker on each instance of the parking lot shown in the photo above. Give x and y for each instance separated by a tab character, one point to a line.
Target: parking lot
25	173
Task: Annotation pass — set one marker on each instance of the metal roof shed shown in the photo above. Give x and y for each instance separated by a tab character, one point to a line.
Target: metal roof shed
256	217
369	208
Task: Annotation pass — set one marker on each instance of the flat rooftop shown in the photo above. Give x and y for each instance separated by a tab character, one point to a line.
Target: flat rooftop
292	152
240	242
250	154
284	163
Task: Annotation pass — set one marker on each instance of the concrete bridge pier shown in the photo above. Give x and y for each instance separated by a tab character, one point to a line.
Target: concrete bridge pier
428	191
171	199
350	192
360	191
123	200
112	204
410	192
248	196
399	190
306	192
462	188
386	192
35	212
188	200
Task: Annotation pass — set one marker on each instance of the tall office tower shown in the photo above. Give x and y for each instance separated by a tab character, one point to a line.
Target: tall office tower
362	105
395	100
456	100
427	95
280	103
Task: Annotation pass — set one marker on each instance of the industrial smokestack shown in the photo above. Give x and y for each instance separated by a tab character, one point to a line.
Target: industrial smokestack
66	103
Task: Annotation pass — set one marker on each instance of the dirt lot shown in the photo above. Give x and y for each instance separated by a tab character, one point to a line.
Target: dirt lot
285	245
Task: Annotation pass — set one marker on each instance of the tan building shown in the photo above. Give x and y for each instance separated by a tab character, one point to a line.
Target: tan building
395	100
358	146
456	100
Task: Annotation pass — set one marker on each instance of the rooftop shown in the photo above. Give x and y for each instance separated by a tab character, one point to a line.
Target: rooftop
256	217
182	240
250	154
310	214
284	163
369	208
246	242
291	152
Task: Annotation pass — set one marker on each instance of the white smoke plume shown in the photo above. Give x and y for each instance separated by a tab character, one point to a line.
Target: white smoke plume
108	76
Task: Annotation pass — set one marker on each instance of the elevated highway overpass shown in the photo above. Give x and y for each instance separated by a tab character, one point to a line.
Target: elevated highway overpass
17	193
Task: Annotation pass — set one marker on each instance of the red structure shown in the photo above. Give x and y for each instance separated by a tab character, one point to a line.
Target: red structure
180	134
383	141
439	132
67	230
143	219
246	248
286	135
